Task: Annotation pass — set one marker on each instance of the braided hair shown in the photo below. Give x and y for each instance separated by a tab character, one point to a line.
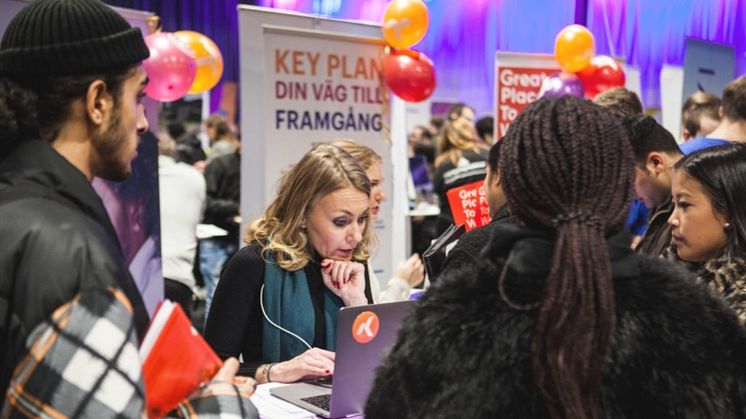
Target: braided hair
568	170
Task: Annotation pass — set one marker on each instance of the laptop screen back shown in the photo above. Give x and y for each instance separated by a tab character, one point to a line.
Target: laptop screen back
420	177
364	336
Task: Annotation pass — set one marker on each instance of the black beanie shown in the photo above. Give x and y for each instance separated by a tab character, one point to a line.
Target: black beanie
68	37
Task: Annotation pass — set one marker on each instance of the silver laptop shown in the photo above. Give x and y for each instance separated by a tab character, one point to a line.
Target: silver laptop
364	335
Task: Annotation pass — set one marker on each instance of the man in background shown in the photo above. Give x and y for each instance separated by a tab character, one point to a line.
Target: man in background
623	102
485	129
732	125
656	152
223	178
700	115
182	197
620	101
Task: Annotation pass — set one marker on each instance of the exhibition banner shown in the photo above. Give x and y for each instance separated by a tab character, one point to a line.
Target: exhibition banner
518	79
321	86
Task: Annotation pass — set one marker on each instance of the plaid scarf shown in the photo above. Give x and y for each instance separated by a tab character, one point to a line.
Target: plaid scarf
83	363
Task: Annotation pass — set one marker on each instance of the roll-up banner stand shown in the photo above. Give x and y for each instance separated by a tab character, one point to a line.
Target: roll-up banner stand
305	80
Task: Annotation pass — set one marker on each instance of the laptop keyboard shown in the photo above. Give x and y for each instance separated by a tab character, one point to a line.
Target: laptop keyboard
322	401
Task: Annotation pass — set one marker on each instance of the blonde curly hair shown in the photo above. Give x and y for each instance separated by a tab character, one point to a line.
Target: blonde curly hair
322	170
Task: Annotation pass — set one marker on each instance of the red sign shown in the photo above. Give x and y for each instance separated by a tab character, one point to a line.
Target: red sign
469	205
516	88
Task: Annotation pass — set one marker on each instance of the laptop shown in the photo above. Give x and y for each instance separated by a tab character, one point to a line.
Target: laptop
420	177
364	335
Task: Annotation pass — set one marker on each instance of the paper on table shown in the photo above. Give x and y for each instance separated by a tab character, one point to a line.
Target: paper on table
271	407
205	231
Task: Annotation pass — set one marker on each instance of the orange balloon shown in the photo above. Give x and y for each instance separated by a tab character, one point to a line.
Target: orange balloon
209	60
574	48
405	23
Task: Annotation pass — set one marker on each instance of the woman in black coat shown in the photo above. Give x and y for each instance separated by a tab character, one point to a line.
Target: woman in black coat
560	319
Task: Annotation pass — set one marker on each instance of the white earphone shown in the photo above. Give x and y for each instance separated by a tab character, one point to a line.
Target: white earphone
261	304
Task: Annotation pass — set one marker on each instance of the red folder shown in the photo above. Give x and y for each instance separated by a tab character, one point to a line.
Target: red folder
175	358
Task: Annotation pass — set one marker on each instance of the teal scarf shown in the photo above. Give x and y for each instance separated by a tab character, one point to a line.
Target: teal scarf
287	301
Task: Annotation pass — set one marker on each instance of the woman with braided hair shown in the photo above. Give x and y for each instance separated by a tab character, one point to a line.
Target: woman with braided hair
560	319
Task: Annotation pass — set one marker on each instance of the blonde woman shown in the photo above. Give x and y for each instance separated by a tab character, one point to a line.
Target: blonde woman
277	300
409	273
461	159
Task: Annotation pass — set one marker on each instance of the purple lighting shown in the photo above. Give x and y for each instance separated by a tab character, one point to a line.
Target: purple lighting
463	36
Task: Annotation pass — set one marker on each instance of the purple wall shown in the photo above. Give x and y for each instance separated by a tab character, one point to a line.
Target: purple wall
464	36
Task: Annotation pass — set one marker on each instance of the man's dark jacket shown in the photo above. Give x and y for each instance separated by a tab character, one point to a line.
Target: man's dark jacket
657	237
56	240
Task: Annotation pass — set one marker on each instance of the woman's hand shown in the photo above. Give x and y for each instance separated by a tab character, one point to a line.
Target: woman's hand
411	270
312	363
346	280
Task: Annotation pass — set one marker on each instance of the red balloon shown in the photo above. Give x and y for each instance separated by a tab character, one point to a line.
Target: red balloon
602	74
409	74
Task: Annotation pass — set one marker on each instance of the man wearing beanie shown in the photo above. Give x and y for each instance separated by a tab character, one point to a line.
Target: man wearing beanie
655	152
71	317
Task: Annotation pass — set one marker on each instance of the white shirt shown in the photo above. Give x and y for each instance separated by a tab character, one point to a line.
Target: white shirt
182	198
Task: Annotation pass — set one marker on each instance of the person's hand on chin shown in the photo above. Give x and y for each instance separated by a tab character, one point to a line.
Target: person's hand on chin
346	279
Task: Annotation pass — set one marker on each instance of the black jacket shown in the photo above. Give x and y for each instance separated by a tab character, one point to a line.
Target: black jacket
54	243
469	247
677	351
657	237
448	176
223	179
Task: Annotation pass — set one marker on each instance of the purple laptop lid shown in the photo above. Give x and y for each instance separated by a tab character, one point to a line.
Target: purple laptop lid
364	336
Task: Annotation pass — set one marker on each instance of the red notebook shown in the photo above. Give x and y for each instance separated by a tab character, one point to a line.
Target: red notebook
175	358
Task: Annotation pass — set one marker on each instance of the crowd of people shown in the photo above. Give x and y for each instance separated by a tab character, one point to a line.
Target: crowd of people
610	282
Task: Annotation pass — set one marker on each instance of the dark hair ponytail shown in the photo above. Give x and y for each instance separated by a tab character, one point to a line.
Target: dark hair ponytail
18	118
567	167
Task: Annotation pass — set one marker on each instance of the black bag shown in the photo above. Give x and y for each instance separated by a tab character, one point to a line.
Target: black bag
436	254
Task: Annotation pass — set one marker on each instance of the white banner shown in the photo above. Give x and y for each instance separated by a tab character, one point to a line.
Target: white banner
321	87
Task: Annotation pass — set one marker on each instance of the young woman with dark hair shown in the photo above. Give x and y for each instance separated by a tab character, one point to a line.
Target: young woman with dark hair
559	318
709	220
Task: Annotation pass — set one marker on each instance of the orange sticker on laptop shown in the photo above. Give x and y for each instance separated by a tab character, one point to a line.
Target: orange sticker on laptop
365	327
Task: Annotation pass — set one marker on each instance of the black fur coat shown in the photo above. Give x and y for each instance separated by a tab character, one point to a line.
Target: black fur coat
677	350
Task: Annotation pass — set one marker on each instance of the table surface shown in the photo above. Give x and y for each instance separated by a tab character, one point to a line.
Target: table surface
271	407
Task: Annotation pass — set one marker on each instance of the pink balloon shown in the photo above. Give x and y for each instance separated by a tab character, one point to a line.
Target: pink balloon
171	67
